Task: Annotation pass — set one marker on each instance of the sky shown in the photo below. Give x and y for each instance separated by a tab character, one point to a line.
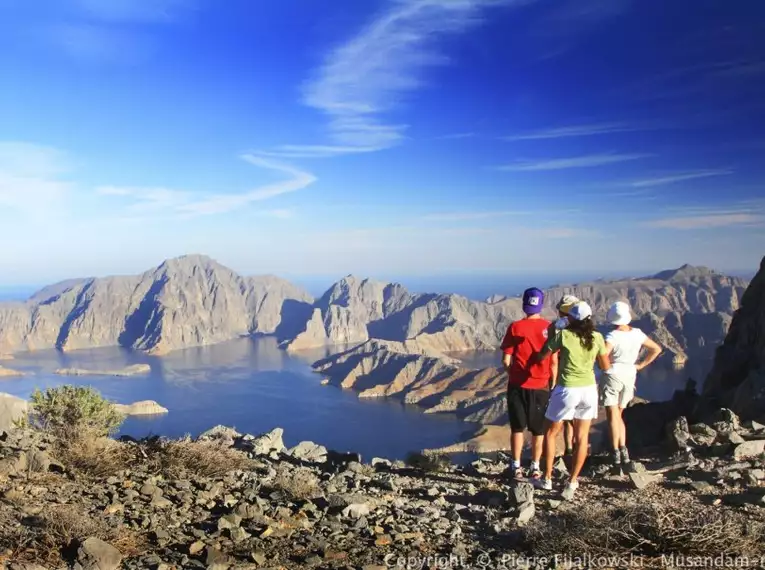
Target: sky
381	137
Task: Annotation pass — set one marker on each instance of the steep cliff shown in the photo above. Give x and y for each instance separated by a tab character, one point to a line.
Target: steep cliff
377	369
737	379
187	301
688	310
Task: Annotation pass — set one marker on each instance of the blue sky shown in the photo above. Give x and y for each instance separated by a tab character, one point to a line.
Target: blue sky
383	137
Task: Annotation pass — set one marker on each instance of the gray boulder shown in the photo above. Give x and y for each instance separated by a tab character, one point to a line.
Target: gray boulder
95	554
266	443
309	451
678	434
748	449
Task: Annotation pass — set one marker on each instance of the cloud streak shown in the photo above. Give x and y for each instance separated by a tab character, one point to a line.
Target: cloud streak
675	178
191	204
366	77
587	161
710	221
576	131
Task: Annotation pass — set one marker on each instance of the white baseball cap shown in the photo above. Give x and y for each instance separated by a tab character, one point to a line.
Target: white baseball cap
580	311
619	314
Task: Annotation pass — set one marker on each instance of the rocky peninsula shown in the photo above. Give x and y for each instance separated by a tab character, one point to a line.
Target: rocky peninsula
132	370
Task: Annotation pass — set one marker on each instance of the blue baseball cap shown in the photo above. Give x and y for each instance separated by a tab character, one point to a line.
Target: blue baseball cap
533	300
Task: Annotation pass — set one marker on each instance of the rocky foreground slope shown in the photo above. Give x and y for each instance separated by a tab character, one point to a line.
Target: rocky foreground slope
237	501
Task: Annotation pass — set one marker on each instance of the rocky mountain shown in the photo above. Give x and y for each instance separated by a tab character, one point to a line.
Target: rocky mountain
354	310
688	310
187	301
738	375
379	369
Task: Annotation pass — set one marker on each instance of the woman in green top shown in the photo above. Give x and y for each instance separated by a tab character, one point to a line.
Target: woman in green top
575	397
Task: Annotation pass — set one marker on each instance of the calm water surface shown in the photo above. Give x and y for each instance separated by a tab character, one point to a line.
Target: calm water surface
249	384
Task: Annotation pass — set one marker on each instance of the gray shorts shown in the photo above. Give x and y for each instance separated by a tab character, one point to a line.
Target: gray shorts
616	392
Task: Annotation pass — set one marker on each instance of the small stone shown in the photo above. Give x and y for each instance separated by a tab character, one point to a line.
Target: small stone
238	534
526	513
229	521
379	462
634	467
383	540
756	426
149	490
161	535
312	560
642	480
702	486
554	503
748	449
267	532
95	554
114	508
196	547
356	510
433	492
523	493
258	557
160	502
757	474
216	560
731	437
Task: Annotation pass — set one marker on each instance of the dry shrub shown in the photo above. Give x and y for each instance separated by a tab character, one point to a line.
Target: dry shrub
298	483
177	458
93	455
45	538
648	530
68	411
431	462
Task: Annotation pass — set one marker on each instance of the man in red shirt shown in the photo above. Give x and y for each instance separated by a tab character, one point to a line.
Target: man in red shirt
528	387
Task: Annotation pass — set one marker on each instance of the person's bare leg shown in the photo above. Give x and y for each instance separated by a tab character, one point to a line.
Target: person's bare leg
537	445
614	426
516	445
568	435
582	438
552	429
623	432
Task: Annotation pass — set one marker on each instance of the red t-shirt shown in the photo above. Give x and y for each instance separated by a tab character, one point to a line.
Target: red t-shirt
523	339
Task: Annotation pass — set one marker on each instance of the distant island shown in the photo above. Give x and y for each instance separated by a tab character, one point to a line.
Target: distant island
133	370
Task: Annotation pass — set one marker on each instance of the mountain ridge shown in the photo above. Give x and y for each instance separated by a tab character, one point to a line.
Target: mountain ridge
193	300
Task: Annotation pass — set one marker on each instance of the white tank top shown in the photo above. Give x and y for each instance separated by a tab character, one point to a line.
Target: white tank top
625	351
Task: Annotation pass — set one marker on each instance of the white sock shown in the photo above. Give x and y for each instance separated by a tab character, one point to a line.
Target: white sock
516	464
535	465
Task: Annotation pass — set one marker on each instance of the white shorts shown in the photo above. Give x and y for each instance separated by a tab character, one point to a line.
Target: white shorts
579	403
616	391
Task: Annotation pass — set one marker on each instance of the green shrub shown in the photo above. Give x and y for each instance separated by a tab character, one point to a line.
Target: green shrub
74	410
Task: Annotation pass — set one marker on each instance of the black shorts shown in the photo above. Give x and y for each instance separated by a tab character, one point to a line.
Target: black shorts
526	409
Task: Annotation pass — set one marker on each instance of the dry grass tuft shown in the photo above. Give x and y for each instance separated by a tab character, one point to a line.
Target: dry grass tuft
647	530
93	455
45	538
430	463
298	483
200	458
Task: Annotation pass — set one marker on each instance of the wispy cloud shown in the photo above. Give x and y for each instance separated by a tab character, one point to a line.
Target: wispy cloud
586	161
710	221
675	178
32	179
469	216
366	77
576	131
455	136
192	204
748	214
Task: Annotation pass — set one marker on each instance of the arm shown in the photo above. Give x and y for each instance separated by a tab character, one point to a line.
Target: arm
654	350
507	360
554	370
604	362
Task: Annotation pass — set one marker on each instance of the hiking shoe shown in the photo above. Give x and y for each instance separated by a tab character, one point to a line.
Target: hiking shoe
570	490
616	457
543	484
519	474
625	455
535	474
